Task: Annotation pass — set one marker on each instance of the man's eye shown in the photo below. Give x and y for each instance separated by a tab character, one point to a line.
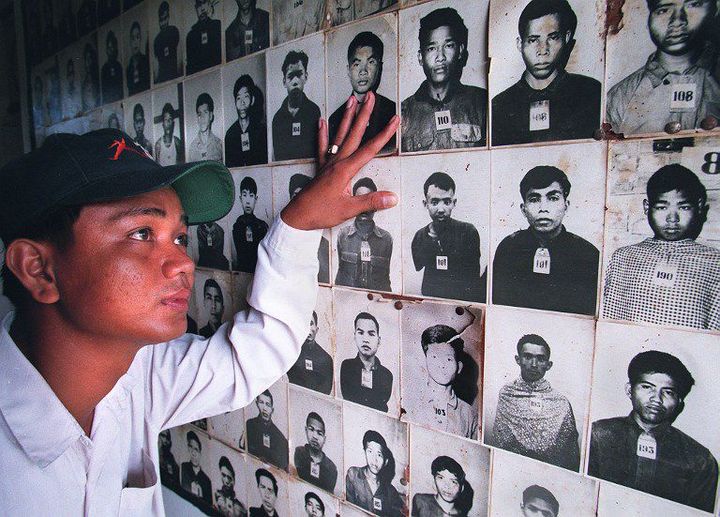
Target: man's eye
143	234
182	240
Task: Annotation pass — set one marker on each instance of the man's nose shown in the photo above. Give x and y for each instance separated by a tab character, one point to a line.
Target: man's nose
672	216
679	15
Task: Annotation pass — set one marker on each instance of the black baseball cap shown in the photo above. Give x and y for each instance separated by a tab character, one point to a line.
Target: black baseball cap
74	170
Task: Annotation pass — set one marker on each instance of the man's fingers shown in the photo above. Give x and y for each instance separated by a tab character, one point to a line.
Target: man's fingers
371	202
373	146
346	121
322	143
357	130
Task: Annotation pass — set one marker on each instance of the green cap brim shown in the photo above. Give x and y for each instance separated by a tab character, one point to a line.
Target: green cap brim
206	191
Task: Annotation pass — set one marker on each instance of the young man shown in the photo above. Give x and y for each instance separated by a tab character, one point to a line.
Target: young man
532	418
668	279
169	470
203	43
441	407
364	67
249	32
314	507
225	498
211	246
72	96
246	138
192	478
137	73
206	145
547	103
447	250
294	124
538	501
165	47
643	450
296	184
139	127
169	149
363	379
214	303
311	462
111	76
264	439
679	81
364	249
268	489
545	266
443	113
248	230
314	367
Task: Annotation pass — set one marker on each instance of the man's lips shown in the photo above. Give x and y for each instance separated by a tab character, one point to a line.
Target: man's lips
177	300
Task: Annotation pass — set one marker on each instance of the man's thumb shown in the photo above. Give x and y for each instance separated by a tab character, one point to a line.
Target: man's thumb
374	201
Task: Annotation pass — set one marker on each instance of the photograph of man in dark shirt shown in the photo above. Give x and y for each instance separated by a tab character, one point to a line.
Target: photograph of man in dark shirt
294	126
246	138
169	469
363	379
314	367
137	73
111	75
447	250
214	303
297	183
203	45
264	439
547	103
165	47
311	462
545	266
364	249
248	229
443	113
268	489
364	66
211	246
193	480
644	450
139	127
249	32
169	149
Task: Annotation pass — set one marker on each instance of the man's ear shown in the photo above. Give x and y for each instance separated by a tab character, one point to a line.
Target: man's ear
646	206
628	390
549	364
518	44
460	365
420	60
31	263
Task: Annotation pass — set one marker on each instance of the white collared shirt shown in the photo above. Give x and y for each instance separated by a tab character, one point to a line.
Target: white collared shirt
51	468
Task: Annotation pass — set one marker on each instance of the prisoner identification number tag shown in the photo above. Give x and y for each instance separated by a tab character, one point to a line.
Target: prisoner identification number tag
377	504
248	234
209	240
540	115
308	365
315	470
245	141
441	262
296	129
196	489
166	51
665	274
366	380
682	96
365	251
204	38
443	120
266	440
248	37
541	262
647	446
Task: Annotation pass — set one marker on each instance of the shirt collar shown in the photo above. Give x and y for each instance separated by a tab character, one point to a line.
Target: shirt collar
375	365
656	72
452	401
423	93
375	230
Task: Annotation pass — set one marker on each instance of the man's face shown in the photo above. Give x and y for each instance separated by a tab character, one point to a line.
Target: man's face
248	200
204	9
313	330
543	45
676	26
439	55
168	123
447	486
544	208
135	41
313	508
439	203
265	407
534	362
672	216
364	216
165	440
205	117
214	304
113	121
315	433
243	101
367	338
295	78
441	363
244	4
374	457
654	398
194	449
139	124
126	275
536	507
111	49
364	70
164	18
227	477
267	493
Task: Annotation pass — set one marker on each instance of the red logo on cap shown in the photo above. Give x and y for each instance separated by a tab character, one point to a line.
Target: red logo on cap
121	146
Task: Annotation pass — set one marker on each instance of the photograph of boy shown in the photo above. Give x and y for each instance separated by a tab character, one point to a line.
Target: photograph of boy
248	229
264	439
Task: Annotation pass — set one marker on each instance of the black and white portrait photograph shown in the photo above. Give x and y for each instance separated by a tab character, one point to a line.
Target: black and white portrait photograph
295	19
651	429
70	66
530	489
443	63
210	244
193	455
266	426
363	58
662	234
316	440
139	125
314	367
308	501
229	428
169	147
367	343
89	76
108	10
344	11
203	34
40	113
545	82
446	230
244	94
376	458
296	96
288	181
110	52
247	27
661	67
536	384
213	299
366	249
547	227
614	499
267	490
50	72
135	49
112	116
442	348
167	48
85	16
250	216
170	443
449	476
203	117
228	473
241	288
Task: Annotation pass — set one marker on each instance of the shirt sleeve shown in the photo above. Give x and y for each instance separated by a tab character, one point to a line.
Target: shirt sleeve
191	378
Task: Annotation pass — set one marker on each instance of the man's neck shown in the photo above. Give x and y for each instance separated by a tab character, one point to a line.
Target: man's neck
244	123
315	454
677	63
644	425
539	84
204	135
447	507
168	139
367	362
546	238
439	392
245	15
438	91
81	369
364	226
